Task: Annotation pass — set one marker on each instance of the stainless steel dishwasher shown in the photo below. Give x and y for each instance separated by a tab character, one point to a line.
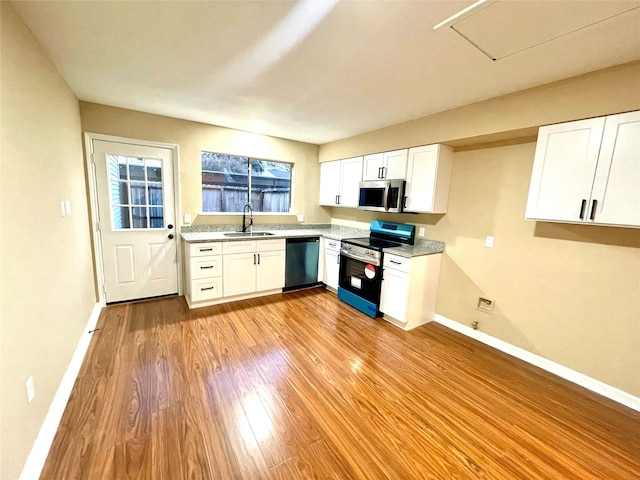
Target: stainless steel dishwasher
301	263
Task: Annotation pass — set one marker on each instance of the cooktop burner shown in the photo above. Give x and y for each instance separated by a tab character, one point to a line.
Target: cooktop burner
372	242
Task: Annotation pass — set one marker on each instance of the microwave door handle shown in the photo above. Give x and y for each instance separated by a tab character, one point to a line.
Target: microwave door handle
387	191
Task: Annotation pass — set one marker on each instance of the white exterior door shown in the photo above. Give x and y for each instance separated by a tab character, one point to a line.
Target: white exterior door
135	192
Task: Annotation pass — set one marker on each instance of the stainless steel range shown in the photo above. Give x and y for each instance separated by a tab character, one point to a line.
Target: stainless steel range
361	264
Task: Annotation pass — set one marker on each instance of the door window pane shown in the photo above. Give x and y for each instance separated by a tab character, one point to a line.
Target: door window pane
156	217
135	183
136	169
138	193
139	217
121	218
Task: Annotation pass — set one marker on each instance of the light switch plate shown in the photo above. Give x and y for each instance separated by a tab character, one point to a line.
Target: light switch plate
489	241
63	210
421	232
187	218
67	207
300	218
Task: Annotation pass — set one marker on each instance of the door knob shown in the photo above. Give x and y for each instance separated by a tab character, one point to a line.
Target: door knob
171	236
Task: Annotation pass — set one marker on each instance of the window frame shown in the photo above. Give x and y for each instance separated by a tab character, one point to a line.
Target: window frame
291	210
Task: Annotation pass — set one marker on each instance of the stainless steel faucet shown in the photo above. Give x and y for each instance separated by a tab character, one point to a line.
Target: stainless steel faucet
248	208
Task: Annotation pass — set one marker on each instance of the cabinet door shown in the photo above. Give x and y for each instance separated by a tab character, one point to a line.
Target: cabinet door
372	167
422	167
270	270
239	274
394	294
350	178
329	182
563	170
616	189
395	165
332	269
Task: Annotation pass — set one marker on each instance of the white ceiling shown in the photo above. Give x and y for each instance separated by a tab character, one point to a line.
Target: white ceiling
319	71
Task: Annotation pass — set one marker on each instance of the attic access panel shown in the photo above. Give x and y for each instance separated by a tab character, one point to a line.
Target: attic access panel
504	28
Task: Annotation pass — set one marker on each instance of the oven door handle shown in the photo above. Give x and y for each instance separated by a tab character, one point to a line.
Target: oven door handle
362	258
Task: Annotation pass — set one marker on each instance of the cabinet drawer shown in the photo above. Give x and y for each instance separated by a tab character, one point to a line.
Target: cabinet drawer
239	246
271	245
206	289
207	248
332	245
205	267
397	263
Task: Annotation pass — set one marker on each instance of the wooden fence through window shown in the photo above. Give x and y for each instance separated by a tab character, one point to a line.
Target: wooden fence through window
223	198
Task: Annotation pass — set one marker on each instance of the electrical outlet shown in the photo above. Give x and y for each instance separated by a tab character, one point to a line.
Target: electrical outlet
67	207
187	218
63	210
489	241
485	305
31	389
301	218
421	232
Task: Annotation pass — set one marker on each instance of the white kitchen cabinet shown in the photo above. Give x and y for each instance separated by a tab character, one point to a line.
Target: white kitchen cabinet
385	165
588	171
203	268
339	182
332	264
270	270
253	266
410	289
428	179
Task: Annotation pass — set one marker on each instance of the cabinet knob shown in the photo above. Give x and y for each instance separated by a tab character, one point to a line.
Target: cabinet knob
171	235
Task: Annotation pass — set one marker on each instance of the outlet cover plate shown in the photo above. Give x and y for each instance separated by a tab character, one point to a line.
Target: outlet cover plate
31	389
485	305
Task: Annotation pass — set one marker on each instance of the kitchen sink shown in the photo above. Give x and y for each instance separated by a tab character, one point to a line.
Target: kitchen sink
248	234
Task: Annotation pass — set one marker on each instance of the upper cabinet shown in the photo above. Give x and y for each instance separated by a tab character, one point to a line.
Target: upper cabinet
339	182
428	179
385	166
588	171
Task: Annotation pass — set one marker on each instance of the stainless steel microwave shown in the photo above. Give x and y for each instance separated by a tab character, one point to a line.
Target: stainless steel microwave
382	196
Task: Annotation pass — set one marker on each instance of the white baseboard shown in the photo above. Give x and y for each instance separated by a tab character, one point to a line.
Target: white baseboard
42	445
578	378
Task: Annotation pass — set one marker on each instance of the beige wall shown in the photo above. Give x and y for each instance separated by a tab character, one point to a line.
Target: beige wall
194	137
47	289
612	90
570	293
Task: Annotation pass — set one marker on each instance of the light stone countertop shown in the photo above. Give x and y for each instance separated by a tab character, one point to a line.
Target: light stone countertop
216	233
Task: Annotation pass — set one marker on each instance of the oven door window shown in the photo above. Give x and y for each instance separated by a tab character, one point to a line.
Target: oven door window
361	278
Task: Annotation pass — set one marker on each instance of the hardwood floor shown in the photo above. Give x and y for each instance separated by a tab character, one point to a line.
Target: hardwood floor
301	385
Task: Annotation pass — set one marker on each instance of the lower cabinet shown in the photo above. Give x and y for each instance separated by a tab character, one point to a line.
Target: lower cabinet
410	289
253	266
332	263
223	271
